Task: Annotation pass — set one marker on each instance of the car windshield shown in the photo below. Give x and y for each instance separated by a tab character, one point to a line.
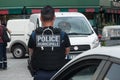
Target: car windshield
73	25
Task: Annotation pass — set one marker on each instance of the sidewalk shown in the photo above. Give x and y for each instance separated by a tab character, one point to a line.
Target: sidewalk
17	70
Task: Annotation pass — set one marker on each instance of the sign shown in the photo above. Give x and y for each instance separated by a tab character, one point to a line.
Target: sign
36	10
89	10
4	12
116	4
73	10
48	40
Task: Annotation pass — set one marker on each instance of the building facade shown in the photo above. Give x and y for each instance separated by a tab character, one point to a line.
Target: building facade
99	12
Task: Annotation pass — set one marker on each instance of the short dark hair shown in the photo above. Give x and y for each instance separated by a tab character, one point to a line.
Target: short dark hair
47	13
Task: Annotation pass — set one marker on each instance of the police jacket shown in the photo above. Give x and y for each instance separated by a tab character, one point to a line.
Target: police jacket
49	49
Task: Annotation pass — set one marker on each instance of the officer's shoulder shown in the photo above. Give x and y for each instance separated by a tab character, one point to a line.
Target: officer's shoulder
39	29
57	30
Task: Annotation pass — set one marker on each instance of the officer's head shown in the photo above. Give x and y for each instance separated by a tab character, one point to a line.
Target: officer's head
47	14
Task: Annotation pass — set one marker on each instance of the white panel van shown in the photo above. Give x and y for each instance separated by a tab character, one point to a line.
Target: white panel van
19	37
81	34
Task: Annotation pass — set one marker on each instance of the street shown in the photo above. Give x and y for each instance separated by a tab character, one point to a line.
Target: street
17	70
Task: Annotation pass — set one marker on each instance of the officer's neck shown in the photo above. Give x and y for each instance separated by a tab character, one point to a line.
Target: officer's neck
47	24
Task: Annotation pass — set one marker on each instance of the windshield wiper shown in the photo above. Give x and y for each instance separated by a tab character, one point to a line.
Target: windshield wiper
79	33
73	33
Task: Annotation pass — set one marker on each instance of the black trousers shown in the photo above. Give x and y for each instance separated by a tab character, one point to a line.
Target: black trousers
44	74
3	56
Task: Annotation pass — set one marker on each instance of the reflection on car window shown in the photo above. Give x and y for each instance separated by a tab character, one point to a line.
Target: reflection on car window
113	73
65	26
85	73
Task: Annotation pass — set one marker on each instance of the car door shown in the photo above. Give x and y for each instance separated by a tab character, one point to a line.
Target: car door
112	72
87	68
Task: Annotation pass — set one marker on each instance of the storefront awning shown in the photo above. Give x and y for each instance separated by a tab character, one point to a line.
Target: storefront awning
113	11
36	10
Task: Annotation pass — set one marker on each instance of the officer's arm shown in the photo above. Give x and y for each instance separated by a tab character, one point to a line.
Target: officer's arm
67	44
30	51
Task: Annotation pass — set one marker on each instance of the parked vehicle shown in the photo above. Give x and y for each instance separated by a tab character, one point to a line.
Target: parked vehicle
111	35
81	34
101	63
19	37
76	25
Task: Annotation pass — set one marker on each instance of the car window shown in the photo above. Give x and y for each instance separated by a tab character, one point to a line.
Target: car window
76	25
113	73
83	70
85	73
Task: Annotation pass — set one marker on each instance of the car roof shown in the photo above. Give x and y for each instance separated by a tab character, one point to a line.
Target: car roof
112	51
63	14
111	26
18	20
14	22
68	14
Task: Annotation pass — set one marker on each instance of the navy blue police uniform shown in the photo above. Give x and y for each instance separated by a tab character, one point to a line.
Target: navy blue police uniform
49	51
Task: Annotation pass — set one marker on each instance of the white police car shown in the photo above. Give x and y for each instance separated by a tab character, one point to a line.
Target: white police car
102	63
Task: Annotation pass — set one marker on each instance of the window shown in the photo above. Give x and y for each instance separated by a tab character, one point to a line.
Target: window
83	70
76	25
113	73
85	73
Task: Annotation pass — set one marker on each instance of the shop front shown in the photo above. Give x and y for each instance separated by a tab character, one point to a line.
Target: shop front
99	12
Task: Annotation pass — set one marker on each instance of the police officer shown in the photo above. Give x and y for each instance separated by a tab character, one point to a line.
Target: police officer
48	46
